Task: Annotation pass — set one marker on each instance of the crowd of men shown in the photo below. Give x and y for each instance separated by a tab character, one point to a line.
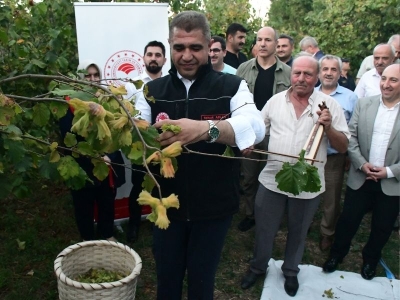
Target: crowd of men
273	101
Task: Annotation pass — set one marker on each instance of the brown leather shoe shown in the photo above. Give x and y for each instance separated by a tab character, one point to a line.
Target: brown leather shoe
325	243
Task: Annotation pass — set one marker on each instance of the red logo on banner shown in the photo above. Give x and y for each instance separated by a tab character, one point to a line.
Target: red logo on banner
123	64
162	116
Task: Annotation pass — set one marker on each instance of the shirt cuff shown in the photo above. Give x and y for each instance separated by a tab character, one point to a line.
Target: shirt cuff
244	133
389	173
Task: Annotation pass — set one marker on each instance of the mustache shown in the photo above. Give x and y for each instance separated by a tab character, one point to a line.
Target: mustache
241	44
299	84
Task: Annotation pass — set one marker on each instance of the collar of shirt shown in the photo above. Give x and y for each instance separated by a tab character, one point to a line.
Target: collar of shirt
338	90
396	106
375	73
185	81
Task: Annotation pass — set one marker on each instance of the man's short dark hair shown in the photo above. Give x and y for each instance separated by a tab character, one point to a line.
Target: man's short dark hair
155	44
285	36
218	39
233	28
188	21
345	60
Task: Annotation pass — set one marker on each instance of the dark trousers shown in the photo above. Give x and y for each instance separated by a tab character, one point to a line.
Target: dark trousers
269	210
356	204
84	200
192	246
251	169
135	210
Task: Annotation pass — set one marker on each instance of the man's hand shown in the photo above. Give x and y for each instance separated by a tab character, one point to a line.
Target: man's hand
246	152
325	118
374	173
191	131
107	160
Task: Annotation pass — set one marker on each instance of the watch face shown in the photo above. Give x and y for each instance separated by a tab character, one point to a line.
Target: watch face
214	133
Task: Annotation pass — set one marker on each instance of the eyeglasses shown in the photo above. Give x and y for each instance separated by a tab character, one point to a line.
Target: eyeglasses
215	50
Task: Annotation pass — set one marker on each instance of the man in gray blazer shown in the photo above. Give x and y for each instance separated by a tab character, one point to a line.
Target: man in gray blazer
374	176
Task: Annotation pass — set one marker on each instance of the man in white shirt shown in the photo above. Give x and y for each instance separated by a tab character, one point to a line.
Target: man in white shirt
289	118
368	62
217	54
369	83
154	60
374	176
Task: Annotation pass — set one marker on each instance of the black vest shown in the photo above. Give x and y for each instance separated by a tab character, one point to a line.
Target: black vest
207	187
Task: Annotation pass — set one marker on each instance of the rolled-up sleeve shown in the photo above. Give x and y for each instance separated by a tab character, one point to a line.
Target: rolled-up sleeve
246	119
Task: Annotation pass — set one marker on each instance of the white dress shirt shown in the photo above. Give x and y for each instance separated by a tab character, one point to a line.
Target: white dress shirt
368	84
288	135
381	133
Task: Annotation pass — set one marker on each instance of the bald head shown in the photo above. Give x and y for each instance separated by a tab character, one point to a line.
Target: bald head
266	42
390	85
383	57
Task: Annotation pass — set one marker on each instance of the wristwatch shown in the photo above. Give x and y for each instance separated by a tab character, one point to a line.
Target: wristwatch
213	132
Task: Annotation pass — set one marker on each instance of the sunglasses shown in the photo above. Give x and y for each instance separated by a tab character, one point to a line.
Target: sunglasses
215	50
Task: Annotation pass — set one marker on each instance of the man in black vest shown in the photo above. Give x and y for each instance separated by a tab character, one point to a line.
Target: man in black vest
213	110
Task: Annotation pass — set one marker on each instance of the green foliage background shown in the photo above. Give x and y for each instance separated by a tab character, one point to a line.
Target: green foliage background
347	28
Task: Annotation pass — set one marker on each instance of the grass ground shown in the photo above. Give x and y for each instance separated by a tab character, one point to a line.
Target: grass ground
45	223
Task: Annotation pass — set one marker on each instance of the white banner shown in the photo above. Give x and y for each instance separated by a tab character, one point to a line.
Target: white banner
114	36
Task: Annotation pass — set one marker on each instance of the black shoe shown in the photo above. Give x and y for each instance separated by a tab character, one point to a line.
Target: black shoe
249	279
132	233
331	264
368	271
246	224
291	285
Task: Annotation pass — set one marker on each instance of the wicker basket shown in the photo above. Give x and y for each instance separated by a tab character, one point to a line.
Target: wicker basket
79	258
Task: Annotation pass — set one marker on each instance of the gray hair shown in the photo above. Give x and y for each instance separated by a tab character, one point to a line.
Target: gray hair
308	40
394	38
392	49
305	54
330	57
189	21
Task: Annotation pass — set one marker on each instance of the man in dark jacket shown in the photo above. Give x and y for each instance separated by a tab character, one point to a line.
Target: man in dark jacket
213	110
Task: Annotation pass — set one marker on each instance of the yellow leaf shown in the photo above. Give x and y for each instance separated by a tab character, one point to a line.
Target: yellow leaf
145	198
154	158
30	273
172	150
162	219
147	96
167	169
21	244
119	122
171	201
53	146
54	156
121	90
20	41
142	124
